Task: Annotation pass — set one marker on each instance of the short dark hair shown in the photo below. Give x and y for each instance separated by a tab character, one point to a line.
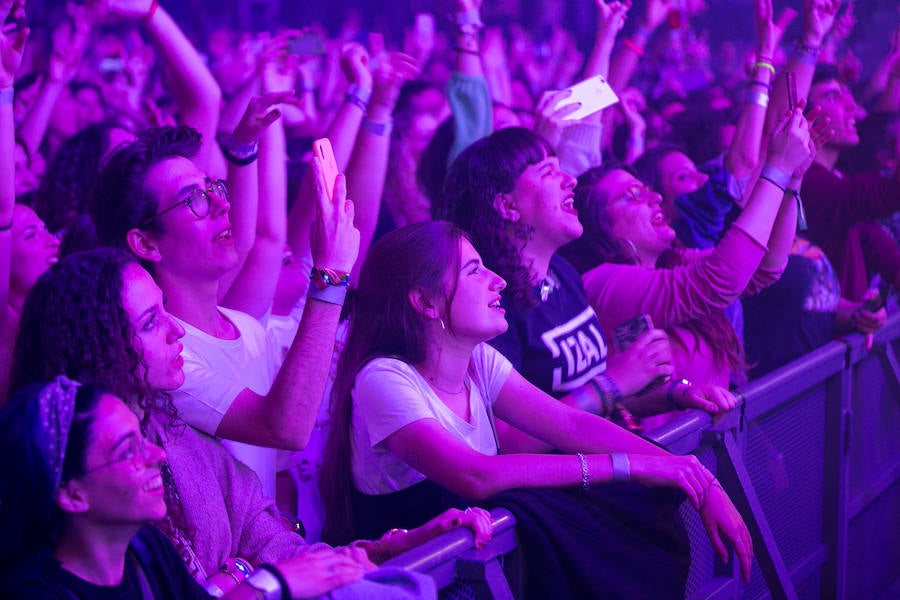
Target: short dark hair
121	201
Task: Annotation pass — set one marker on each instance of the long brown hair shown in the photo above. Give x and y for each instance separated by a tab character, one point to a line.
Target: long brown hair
383	322
599	245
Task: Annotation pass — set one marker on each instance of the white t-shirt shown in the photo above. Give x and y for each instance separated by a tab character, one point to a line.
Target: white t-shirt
389	394
216	371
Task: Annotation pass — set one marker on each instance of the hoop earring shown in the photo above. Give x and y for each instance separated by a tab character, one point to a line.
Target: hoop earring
443	327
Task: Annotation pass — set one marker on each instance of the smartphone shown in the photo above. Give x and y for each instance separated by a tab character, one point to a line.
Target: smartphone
792	90
626	334
307	44
322	148
875	303
594	93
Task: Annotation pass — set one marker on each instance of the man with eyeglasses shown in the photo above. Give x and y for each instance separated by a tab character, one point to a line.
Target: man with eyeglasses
153	199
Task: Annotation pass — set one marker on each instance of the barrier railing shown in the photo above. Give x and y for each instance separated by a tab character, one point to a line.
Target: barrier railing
812	460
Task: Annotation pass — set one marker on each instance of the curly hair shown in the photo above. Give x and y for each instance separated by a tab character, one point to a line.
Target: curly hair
383	322
71	175
599	245
121	201
73	323
489	167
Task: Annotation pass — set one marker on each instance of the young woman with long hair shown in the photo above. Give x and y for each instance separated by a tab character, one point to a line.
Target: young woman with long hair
412	432
630	267
98	317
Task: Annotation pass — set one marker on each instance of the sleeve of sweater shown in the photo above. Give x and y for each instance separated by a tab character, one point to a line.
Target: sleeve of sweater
881	252
470	103
579	148
838	201
710	279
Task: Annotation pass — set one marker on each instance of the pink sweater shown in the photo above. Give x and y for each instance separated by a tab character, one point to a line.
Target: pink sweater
707	281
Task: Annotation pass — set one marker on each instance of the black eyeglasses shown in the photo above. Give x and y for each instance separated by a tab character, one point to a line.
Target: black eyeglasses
136	451
197	200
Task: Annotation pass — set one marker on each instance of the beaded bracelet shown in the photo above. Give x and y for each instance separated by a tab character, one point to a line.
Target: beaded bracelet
358	96
585	474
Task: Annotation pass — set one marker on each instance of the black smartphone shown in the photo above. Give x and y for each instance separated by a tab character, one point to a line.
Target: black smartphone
792	90
626	334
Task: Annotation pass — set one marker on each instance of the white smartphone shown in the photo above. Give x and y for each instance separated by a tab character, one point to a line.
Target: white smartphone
594	93
322	149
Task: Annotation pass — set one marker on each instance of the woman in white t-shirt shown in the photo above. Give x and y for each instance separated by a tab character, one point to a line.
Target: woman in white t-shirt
412	418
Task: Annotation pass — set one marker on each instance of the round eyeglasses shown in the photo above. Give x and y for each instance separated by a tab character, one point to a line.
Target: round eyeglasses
197	200
635	193
136	451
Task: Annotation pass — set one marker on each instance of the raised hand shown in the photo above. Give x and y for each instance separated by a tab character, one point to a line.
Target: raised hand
648	358
769	32
391	72
820	132
334	240
611	17
355	65
12	40
549	121
843	25
818	18
261	112
789	147
656	11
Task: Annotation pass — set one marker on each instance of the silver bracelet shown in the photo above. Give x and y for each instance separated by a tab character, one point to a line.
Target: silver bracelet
379	129
585	474
776	176
759	98
621	466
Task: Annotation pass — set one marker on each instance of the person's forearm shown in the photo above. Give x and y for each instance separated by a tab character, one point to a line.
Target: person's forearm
7	200
300	386
743	155
782	237
254	287
367	170
759	215
34	126
598	61
802	64
342	132
195	90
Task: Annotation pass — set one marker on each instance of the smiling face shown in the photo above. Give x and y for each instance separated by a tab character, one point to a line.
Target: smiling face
122	483
679	175
543	199
838	104
635	214
475	311
34	249
156	332
189	246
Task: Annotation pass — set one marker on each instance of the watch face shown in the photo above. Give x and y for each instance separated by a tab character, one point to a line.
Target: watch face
267	583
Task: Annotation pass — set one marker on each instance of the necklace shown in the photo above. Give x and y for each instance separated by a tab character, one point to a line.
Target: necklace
547	285
434	384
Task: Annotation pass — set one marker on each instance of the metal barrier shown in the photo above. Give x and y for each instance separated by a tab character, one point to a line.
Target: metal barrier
812	460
